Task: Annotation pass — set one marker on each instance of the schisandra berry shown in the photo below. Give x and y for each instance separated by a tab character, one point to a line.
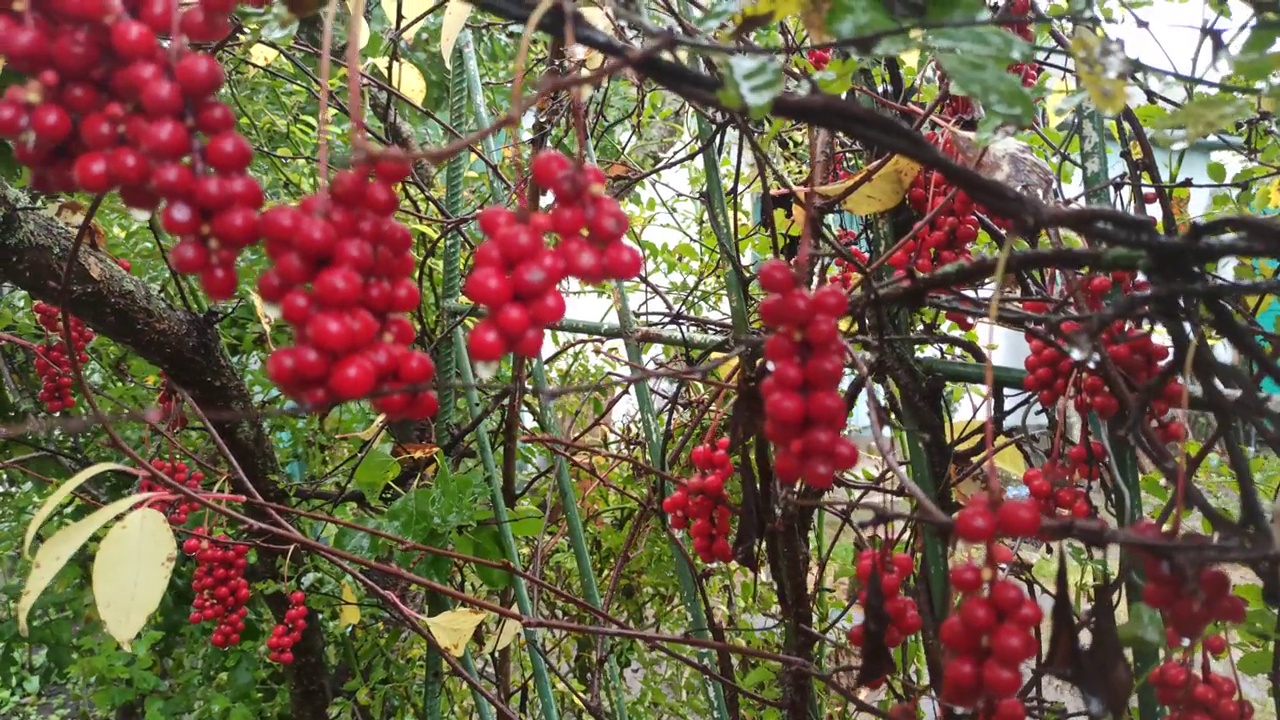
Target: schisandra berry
219	584
288	633
986	640
805	412
342	275
1189	598
104	105
700	503
904	617
53	361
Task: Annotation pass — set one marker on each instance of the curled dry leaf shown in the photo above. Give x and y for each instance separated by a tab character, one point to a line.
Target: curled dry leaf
131	572
879	188
502	636
1007	160
451	26
349	614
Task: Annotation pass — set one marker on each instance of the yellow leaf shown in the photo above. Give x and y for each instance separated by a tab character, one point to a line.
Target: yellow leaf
766	12
60	494
1135	149
404	77
1102	69
349	614
1273	194
131	572
410	11
262	55
455	19
789	225
507	631
723	367
362	27
55	551
600	20
884	191
453	628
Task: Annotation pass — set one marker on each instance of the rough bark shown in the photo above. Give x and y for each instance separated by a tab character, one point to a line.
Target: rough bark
34	250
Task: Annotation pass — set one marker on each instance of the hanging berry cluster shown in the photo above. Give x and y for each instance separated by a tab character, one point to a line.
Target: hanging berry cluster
959	107
107	106
904	617
1189	598
980	521
220	587
1060	487
288	633
846	273
805	412
515	275
53	361
1053	374
179	511
986	640
1204	696
954	226
700	503
342	274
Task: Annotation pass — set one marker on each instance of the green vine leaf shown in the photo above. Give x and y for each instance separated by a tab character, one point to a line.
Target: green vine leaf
754	81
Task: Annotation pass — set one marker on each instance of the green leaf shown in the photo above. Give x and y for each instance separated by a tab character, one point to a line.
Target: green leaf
753	82
1206	115
525	521
374	472
1257	662
1000	92
1216	171
992	42
859	18
1144	627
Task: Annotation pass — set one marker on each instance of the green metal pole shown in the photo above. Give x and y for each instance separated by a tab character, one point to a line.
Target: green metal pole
542	681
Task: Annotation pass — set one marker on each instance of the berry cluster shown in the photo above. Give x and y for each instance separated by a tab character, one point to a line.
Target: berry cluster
954	225
819	59
342	274
1211	696
179	510
1028	72
904	617
1188	598
53	361
805	412
107	105
700	503
1052	374
1057	490
288	633
515	274
980	522
219	584
987	639
959	107
845	272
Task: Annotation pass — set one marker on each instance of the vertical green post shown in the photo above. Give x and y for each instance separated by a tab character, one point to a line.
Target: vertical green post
537	663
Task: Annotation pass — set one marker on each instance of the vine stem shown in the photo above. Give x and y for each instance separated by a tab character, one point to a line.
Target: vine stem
326	68
354	95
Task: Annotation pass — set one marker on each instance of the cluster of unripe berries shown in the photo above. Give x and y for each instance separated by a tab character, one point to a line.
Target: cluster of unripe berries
179	511
1189	598
342	276
108	106
53	361
805	412
219	584
986	639
1192	696
979	522
1053	374
515	275
954	225
288	633
700	504
893	569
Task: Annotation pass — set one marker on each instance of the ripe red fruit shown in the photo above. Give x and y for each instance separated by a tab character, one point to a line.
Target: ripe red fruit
775	276
1018	518
485	343
975	523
